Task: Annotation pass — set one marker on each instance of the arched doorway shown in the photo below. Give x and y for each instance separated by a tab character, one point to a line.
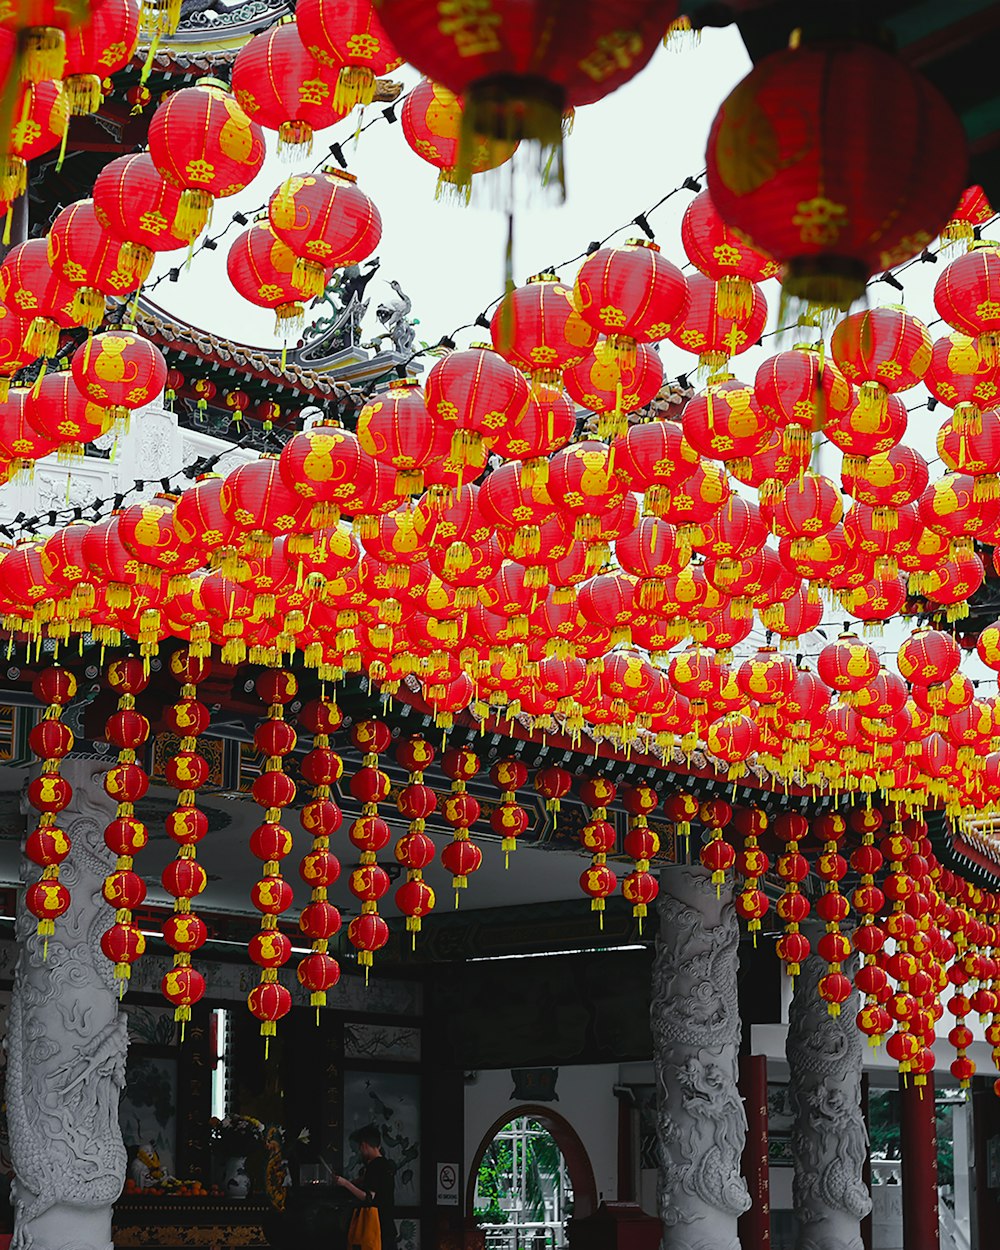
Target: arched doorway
530	1174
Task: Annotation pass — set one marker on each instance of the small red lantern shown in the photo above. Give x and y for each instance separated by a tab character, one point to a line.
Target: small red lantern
630	294
722	255
318	973
537	328
269	1002
123	944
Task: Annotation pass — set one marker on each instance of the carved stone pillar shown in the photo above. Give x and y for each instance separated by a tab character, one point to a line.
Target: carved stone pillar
701	1123
829	1138
66	1048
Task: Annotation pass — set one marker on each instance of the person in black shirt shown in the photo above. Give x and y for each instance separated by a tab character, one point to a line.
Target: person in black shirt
377	1183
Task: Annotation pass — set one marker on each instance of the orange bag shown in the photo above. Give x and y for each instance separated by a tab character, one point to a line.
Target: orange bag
364	1231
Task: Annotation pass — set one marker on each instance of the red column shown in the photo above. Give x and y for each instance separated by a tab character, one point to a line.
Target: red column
755	1224
918	1146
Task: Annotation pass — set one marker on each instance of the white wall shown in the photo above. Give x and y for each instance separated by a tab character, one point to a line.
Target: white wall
585	1099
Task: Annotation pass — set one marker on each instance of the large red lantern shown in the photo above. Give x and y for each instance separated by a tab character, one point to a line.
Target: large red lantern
347	36
135	203
283	87
120	370
98	48
203	142
521	66
797	186
966	294
709	334
40	121
721	255
538	329
327	221
433	127
31	289
630	294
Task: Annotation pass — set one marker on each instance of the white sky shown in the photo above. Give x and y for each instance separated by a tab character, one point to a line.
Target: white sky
624	154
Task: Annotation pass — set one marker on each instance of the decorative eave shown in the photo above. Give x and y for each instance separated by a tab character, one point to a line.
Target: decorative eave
265	366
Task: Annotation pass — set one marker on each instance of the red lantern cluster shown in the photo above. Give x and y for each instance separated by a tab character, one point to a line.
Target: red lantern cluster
187	770
321	769
751	863
126	783
509	820
461	810
369	882
271	842
640	887
793	907
47	845
415	850
597	837
833	908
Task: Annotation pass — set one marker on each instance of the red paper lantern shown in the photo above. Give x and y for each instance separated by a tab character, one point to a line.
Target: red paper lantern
283	87
203	142
97	48
802	393
183	986
630	294
327	221
269	1002
724	421
432	120
613	388
478	393
965	297
347	36
520	69
31	289
808	203
318	973
41	120
120	370
262	269
722	255
709	334
396	428
882	350
537	328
